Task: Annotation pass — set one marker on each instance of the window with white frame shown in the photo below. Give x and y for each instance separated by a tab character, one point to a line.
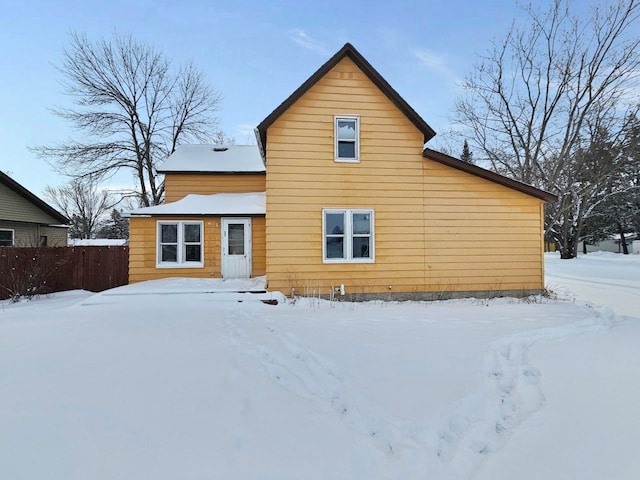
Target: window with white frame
347	235
347	138
180	244
6	238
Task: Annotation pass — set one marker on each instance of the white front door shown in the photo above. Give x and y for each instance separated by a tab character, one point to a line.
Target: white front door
236	247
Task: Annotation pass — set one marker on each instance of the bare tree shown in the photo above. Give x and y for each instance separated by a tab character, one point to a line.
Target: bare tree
83	203
534	101
133	108
617	210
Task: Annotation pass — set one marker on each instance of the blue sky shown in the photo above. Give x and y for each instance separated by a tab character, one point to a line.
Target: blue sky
254	54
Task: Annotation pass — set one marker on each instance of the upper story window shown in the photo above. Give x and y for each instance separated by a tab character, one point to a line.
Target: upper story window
347	138
180	244
6	238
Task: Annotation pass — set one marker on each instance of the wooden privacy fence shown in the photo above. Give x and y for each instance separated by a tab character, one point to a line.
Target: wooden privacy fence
28	271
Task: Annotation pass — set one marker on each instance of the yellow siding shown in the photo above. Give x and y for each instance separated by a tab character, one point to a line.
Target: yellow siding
142	250
493	234
436	228
259	257
178	185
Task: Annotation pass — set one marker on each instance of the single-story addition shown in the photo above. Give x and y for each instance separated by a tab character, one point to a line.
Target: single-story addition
340	195
26	220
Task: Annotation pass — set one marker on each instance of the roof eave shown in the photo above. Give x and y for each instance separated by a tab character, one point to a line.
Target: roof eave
261	145
41	204
195	215
214	172
488	175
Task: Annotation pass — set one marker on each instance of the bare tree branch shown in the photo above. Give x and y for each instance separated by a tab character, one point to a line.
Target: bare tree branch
132	109
533	103
83	203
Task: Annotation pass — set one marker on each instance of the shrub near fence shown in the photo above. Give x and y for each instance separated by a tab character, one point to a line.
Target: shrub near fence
28	271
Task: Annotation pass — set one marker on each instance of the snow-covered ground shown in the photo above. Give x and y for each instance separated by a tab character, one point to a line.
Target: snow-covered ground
181	379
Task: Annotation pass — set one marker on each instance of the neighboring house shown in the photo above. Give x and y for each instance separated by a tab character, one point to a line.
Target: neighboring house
341	195
612	244
26	220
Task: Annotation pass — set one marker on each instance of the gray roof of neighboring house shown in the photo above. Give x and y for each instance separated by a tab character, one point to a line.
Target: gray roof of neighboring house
214	159
33	199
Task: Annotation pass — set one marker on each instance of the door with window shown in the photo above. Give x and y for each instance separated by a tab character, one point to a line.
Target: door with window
236	248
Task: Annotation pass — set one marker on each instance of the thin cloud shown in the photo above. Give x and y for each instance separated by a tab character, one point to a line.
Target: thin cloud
245	134
305	41
389	37
436	64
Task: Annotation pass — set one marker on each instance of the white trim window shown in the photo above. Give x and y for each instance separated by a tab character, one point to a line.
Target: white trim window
7	237
347	236
347	138
180	244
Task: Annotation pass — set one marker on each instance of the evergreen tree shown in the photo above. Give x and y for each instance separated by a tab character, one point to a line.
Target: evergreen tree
616	211
467	154
115	226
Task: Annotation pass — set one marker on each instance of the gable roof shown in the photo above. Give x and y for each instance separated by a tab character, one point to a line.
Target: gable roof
27	195
487	174
347	50
214	159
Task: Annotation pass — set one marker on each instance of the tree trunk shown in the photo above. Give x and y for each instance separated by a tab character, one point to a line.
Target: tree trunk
623	240
569	247
566	251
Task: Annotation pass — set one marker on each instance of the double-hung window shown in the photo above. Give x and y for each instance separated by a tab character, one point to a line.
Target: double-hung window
6	238
347	235
180	244
347	138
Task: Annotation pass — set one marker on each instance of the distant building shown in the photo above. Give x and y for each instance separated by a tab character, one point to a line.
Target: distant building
26	220
612	244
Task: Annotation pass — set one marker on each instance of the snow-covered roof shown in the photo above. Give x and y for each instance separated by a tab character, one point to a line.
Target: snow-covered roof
214	159
97	242
216	204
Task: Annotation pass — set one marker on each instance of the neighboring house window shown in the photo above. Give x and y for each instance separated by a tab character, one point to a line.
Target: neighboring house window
180	244
6	238
347	139
347	235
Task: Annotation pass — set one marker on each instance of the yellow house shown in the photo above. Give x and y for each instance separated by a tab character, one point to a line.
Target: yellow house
340	197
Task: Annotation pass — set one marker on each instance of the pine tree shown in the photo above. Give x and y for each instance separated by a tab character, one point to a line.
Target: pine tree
616	210
115	226
467	154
